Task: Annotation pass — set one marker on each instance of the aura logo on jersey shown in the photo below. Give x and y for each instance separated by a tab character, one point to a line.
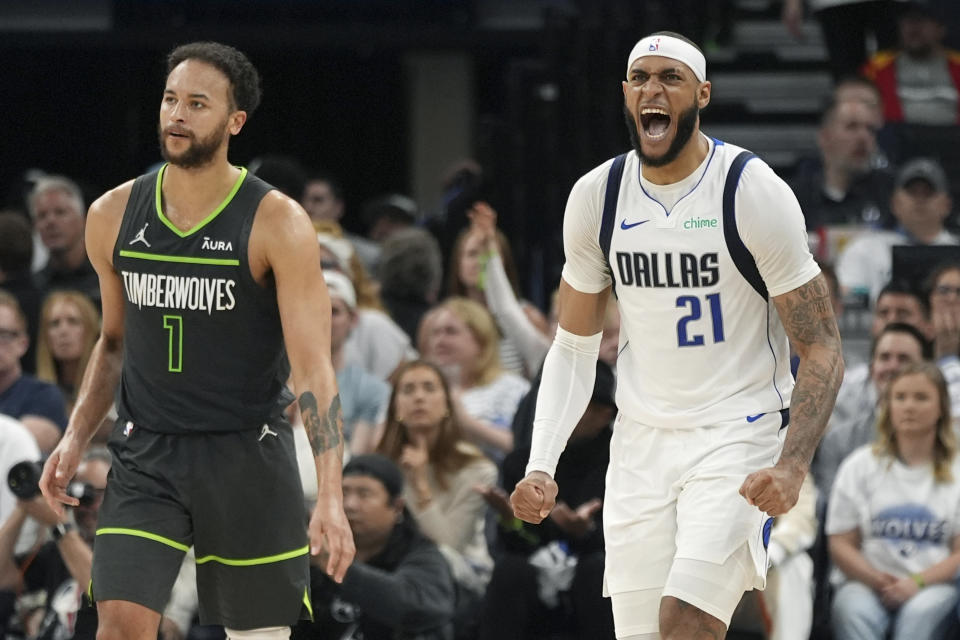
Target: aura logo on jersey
668	270
216	245
179	292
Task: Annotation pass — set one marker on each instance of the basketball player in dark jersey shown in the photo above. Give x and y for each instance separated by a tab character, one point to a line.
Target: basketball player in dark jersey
206	273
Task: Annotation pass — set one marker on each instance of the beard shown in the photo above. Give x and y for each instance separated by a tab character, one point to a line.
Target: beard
686	125
200	152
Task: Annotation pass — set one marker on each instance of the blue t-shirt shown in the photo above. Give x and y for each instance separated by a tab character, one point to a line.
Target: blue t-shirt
31	397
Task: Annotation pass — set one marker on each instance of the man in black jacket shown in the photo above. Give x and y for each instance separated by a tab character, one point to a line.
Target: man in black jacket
399	586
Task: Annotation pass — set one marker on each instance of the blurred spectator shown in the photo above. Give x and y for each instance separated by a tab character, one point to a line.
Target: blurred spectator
920	81
56	206
852	423
943	289
549	577
848	26
858	89
284	173
442	473
323	201
398	587
388	214
37	404
59	570
894	518
410	273
920	203
461	338
17	445
377	343
482	269
363	396
16	256
842	186
69	327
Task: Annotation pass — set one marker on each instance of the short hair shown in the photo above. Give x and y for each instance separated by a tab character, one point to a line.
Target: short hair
16	243
330	180
901	287
8	300
926	347
243	76
930	282
55	183
410	265
678	36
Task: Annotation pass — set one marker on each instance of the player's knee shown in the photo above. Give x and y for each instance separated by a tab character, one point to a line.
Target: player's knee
266	633
680	619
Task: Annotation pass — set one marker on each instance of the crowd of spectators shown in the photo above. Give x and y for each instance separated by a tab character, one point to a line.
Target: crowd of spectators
437	356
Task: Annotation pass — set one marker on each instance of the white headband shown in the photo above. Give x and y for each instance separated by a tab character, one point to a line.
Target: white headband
670	47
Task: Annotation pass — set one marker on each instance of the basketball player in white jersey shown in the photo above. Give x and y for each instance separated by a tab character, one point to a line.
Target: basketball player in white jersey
705	249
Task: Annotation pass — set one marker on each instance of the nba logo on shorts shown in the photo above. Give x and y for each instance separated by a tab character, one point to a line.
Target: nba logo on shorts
655	45
127	429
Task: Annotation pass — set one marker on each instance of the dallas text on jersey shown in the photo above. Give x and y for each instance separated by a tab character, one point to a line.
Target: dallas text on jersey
673	270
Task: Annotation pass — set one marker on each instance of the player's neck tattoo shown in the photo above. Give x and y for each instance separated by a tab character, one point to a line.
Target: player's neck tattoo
323	432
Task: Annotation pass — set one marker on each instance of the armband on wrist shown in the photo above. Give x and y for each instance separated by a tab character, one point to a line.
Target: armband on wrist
916	577
59	530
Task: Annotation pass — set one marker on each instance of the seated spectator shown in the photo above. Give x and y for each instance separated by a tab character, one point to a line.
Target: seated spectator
377	343
70	325
842	186
323	201
482	269
920	203
388	214
564	554
37	404
363	396
410	273
461	338
894	518
16	256
919	83
59	569
16	445
56	206
398	586
441	471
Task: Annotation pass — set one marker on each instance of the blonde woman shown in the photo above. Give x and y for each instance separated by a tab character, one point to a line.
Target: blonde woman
69	326
461	338
894	518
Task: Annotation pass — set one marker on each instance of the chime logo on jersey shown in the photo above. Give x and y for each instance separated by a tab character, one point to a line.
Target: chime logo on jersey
216	245
179	292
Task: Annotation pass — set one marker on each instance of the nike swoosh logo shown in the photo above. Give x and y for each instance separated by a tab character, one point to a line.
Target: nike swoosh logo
625	226
755	418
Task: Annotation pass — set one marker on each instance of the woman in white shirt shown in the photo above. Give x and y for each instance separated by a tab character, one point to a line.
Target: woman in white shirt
894	518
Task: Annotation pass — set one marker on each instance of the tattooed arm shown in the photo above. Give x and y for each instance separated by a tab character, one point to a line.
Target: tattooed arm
284	244
807	316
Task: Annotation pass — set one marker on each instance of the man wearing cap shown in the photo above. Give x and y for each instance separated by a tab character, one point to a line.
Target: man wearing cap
920	203
399	586
364	397
706	249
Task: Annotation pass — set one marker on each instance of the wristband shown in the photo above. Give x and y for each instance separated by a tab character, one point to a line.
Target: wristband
919	580
61	529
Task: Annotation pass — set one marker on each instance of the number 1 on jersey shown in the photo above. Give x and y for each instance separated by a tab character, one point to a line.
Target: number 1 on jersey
174	325
716	317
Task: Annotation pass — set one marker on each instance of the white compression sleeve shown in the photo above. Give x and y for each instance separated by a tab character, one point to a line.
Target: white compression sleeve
566	387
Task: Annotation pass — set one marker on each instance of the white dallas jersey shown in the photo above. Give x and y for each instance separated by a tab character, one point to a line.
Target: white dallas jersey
700	338
907	520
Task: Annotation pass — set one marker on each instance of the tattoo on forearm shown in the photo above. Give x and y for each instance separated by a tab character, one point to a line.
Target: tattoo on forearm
807	316
324	432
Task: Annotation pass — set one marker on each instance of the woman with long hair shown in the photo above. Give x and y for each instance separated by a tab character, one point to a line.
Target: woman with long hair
442	470
894	518
461	338
69	327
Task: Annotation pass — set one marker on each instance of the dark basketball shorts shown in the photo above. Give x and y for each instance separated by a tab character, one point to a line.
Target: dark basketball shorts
234	496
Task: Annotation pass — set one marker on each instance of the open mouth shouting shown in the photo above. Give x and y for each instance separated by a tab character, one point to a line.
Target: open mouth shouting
655	123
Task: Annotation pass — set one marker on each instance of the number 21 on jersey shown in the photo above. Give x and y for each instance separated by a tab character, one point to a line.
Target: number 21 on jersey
694	311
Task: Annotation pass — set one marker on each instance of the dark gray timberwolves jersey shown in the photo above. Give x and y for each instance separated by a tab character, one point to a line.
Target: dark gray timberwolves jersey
203	346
